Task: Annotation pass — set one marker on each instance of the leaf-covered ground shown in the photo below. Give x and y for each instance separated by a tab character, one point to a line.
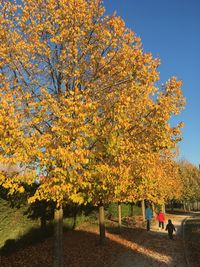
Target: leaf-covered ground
81	249
192	238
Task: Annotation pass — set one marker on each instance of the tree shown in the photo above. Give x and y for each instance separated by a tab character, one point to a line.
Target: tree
61	63
77	81
190	177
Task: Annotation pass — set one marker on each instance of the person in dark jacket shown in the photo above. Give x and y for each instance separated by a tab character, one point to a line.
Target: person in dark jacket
170	228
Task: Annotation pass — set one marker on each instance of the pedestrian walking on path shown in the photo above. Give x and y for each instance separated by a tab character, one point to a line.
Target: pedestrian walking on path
152	249
161	219
148	215
170	228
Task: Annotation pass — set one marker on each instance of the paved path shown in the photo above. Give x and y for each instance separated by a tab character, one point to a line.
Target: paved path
155	249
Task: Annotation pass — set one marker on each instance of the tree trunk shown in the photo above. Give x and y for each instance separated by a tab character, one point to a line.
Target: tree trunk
58	235
163	208
143	209
153	210
119	216
172	205
102	233
184	206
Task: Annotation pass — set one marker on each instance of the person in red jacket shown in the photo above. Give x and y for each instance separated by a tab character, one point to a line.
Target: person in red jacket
161	219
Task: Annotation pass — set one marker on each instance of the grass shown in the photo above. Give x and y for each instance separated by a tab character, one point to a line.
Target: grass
13	223
18	231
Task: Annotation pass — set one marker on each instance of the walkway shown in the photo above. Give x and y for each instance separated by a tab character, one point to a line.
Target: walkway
156	250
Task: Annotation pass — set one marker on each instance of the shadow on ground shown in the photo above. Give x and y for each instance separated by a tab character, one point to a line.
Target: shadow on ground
81	248
192	241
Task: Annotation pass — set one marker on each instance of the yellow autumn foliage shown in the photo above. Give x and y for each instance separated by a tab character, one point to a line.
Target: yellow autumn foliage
77	105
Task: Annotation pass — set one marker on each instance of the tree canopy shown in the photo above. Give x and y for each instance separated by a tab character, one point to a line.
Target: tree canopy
79	105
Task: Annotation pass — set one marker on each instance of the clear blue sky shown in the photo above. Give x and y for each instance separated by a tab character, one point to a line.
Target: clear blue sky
170	29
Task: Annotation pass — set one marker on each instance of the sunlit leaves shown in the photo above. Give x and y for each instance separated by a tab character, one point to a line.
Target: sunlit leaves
79	104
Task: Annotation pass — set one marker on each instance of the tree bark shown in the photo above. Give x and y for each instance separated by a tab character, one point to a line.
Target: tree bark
172	205
184	206
58	236
153	209
143	209
163	208
102	233
119	216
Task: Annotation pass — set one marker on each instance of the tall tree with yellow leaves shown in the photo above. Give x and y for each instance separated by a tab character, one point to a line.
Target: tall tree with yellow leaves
190	177
77	81
63	58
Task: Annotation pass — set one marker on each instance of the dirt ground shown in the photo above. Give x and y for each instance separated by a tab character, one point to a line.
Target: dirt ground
134	247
